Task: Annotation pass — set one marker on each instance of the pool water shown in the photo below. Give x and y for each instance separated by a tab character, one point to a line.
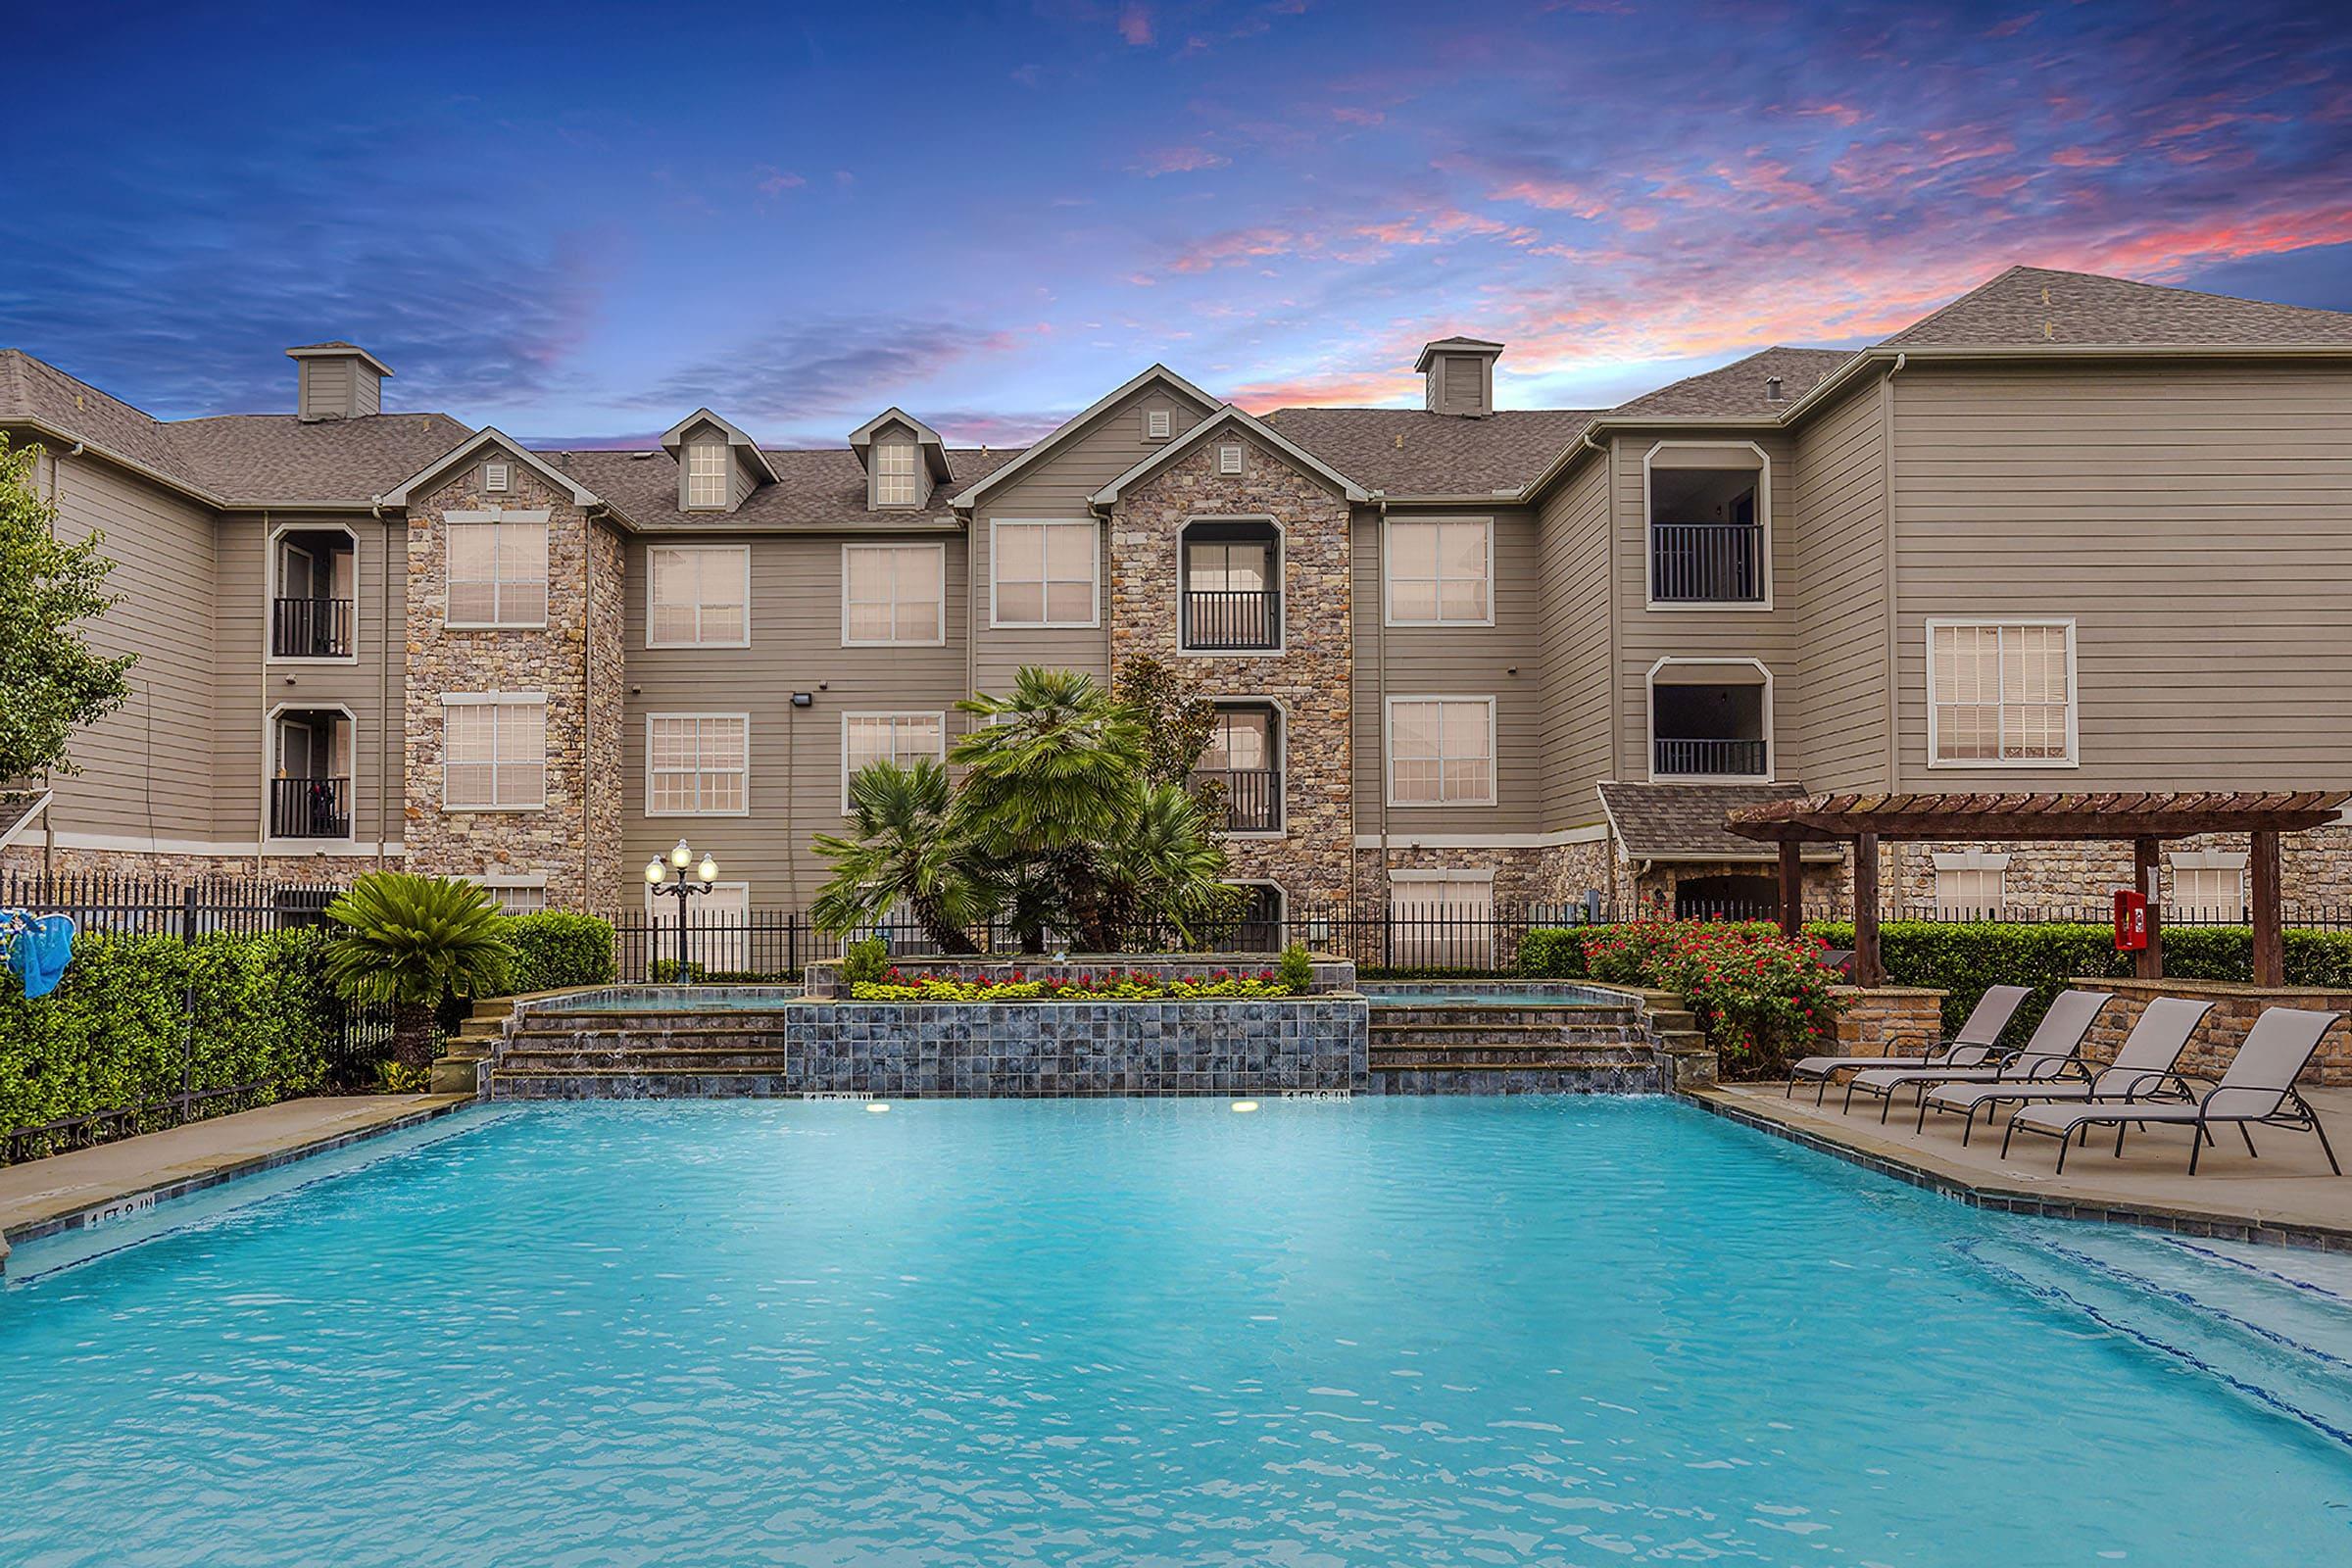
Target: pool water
1542	995
1135	1332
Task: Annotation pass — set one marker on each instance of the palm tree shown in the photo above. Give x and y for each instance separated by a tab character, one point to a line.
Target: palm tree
1165	868
411	941
1050	775
907	849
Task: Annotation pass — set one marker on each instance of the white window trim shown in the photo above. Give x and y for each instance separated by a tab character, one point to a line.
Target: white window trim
744	551
1280	573
269	842
1764	557
707	442
479	700
453	520
939	641
939	714
648	797
1093	534
2074	695
1230	453
915	477
1282	756
1388	602
1388	754
269	593
1970	860
1282	901
511	882
1649	686
498	477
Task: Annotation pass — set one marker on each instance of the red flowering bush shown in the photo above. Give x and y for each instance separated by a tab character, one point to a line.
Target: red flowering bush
1763	998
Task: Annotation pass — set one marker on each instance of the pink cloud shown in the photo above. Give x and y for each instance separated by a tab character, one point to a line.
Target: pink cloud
1177	161
1135	24
1350	114
770	181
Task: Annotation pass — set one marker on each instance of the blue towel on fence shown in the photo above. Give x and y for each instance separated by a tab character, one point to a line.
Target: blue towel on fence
40	953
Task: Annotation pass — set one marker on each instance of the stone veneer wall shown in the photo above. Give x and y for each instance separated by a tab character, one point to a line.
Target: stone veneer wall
25	858
1551	874
1310	679
2043	876
2214	1043
1887	1020
575	839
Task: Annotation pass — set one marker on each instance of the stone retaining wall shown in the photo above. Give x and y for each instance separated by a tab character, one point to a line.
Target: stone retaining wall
822	977
1889	1021
2236	1004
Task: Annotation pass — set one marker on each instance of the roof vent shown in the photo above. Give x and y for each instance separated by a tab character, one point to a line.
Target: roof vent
1460	375
337	381
1771	390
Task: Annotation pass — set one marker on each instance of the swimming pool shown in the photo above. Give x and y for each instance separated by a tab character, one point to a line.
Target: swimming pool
1371	1331
1489	994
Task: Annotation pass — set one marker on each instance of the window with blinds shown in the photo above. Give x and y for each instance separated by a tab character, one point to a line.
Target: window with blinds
893	593
2001	694
497	574
697	764
899	738
1442	751
707	474
894	475
493	753
698	595
1441	571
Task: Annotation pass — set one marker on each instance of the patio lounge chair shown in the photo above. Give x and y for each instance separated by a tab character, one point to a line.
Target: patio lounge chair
2141	1070
2258	1088
1970	1047
2054	1052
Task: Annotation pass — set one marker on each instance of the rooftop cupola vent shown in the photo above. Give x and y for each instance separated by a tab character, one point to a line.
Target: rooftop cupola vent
337	381
1459	376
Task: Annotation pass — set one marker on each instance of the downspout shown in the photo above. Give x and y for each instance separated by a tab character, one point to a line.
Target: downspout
588	704
261	825
383	697
1888	584
1380	631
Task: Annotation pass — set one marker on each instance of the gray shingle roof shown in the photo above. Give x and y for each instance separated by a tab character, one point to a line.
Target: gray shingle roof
819	488
2028	305
32	389
1685	821
1736	390
1409	451
280	460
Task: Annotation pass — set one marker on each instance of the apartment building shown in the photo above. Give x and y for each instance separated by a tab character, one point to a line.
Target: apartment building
2068	532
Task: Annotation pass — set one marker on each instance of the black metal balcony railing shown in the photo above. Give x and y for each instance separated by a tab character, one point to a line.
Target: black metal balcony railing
1708	759
1706	563
309	807
309	628
1217	618
1252	798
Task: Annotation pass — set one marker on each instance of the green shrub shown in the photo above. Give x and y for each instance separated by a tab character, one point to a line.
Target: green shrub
117	1030
1553	953
555	950
1095	984
863	962
1297	970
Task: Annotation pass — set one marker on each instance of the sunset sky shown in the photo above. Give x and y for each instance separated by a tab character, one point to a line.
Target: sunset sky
582	222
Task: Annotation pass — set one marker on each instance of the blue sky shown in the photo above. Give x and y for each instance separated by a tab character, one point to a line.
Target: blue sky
581	222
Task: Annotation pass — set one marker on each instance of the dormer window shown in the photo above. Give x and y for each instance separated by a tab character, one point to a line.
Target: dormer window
894	475
707	474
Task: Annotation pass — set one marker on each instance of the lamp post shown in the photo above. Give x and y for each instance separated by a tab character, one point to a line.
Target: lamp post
658	877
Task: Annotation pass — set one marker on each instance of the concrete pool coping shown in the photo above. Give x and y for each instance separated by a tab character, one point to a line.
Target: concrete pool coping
90	1186
2287	1197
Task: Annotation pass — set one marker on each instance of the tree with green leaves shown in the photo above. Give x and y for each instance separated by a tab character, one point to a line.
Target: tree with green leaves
52	682
1165	873
907	849
410	941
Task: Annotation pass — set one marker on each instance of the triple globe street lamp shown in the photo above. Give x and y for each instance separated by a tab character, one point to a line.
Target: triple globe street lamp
660	877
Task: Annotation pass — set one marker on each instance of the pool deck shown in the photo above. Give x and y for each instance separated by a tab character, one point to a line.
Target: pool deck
2286	1196
89	1186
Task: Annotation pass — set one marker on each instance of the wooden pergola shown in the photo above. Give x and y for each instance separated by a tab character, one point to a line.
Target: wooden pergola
1864	821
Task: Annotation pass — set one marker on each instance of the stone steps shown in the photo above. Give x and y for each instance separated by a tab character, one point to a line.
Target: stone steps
1567	1015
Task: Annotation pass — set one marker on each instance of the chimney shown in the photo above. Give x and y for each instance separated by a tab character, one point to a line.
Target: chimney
1771	390
337	381
1459	376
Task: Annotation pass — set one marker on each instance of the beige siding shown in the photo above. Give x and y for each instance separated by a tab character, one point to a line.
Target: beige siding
2195	521
1456	661
147	769
796	761
1645	635
1057	486
1834	710
1574	555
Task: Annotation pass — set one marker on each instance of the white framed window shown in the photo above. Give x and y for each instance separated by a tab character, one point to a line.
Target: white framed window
901	738
497	571
718	922
1229	457
516	895
1441	571
894	594
894	475
1708	511
1441	918
697	764
1043	572
1970	886
2001	694
2210	884
707	474
1441	751
698	595
493	751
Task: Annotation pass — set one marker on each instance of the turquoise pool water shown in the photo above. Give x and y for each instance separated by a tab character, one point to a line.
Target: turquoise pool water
1381	1332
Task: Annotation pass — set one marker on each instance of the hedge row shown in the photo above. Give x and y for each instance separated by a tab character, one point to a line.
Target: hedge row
115	1033
558	951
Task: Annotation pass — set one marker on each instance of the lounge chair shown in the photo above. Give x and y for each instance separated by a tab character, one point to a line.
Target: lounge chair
2258	1088
2143	1069
2054	1052
1972	1044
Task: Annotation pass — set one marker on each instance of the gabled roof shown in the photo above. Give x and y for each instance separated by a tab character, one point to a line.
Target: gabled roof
820	490
674	438
1225	417
1737	390
926	440
489	436
1070	426
1456	345
35	392
2033	305
1685	821
337	350
1409	451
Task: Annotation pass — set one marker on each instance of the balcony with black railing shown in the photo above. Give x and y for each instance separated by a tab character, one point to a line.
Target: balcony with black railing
1252	798
1708	759
1706	563
1232	620
309	807
309	628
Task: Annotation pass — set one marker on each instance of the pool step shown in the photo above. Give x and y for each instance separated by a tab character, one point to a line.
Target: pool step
740	1057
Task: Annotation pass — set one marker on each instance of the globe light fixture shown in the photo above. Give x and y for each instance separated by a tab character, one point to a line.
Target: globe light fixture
654	873
657	877
707	870
680	854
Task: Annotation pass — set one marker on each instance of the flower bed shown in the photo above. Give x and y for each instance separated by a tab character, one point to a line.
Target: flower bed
1763	998
1093	985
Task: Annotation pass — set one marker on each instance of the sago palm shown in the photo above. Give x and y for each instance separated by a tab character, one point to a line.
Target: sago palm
906	850
410	941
